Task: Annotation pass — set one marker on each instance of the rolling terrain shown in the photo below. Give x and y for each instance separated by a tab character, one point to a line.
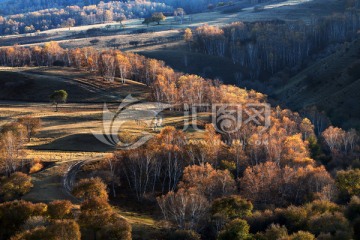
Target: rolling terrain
67	144
332	84
171	30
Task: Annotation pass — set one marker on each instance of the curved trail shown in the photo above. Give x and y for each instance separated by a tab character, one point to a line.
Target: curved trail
70	177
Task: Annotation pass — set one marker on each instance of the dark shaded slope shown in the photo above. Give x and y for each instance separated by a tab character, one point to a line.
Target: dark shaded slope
332	84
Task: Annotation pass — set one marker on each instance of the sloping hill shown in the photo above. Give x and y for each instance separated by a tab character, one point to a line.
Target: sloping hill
36	85
332	84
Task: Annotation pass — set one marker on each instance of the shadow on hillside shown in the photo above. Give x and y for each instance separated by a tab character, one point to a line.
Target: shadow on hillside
76	142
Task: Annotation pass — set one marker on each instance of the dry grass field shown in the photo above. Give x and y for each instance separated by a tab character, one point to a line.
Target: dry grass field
66	137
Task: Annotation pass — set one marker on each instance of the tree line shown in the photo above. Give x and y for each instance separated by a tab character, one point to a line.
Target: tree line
75	15
58	219
210	186
264	48
168	85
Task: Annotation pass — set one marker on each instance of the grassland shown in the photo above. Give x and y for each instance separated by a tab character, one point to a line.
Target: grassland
66	137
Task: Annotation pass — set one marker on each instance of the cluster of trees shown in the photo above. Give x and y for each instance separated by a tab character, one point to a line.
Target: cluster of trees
18	6
14	186
168	85
323	219
13	136
75	16
155	17
58	220
263	48
209	187
97	217
23	6
195	6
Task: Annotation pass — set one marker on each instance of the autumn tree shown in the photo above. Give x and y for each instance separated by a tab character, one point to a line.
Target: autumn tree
275	231
236	229
123	65
270	183
208	181
302	235
333	223
237	153
147	21
228	208
14	214
169	146
232	207
185	208
64	229
158	17
98	217
307	128
180	13
53	52
142	170
15	186
11	148
348	182
334	138
60	209
89	188
31	124
70	22
108	66
188	37
116	228
295	151
59	96
121	19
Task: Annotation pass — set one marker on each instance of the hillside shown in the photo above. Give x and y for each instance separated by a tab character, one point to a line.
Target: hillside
36	84
332	84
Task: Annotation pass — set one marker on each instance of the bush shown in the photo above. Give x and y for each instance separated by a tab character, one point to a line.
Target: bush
15	186
232	207
275	231
301	235
94	41
60	209
294	218
184	235
90	188
329	223
236	229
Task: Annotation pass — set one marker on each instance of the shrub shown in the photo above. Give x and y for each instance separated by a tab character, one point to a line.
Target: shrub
15	186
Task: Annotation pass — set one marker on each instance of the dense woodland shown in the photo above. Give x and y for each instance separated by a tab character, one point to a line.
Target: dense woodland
75	16
297	179
9	7
265	48
50	15
292	181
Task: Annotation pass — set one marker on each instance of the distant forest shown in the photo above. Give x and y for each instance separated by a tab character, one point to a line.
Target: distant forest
9	7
